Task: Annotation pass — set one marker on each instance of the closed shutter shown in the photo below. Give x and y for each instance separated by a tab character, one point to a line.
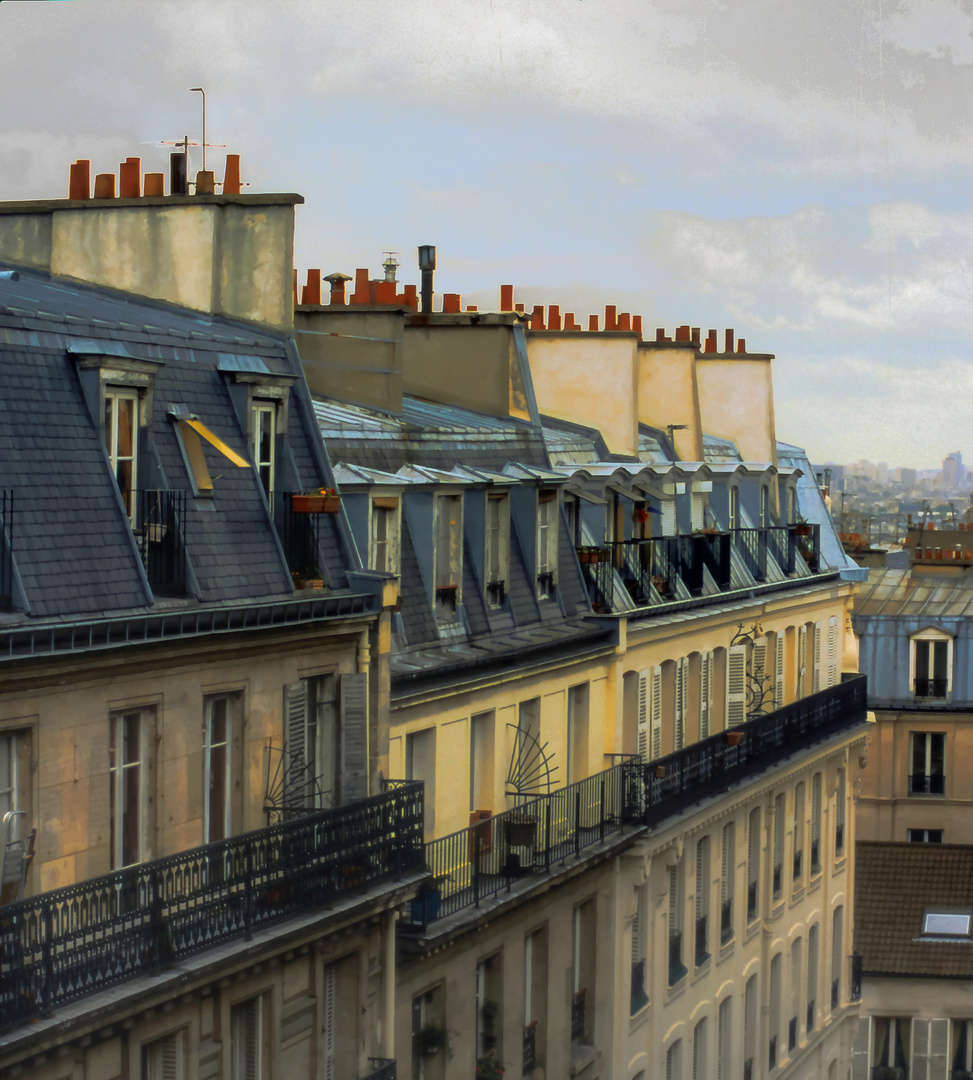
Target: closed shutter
801	662
636	937
929	1049
354	737
833	651
705	694
329	986
669	517
760	677
674	901
779	672
859	1050
920	1049
682	694
163	1058
697	510
295	735
816	660
725	864
643	716
655	715
736	686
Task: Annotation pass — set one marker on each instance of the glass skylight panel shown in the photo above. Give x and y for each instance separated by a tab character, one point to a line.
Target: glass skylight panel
954	924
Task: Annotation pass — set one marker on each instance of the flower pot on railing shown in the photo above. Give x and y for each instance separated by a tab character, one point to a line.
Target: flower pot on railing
520	831
660	771
323	502
803	530
735	738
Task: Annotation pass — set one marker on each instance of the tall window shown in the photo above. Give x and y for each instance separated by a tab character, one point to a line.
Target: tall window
893	1045
816	824
640	935
676	967
489	1016
727	872
723	1036
700	1072
961	1045
775	1054
734	493
928	773
750	1010
794	1018
813	946
482	728
264	416
448	554
165	1058
674	1061
577	733
127	795
250	1039
385	535
837	947
798	834
753	864
702	900
779	826
535	999
764	506
497	548
218	767
546	542
121	441
9	780
932	655
841	799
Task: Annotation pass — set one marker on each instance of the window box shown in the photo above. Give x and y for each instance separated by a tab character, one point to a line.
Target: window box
316	504
803	530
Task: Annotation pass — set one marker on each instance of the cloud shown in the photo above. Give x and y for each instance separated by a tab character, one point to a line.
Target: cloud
934	28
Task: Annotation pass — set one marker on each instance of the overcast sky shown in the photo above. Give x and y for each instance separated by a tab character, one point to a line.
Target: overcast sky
799	170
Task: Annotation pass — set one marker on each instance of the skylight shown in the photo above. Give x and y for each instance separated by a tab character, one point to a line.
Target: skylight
951	923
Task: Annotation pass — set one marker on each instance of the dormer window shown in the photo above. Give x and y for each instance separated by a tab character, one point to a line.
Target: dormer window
546	542
121	441
497	548
939	923
764	506
932	664
448	554
264	424
734	515
384	535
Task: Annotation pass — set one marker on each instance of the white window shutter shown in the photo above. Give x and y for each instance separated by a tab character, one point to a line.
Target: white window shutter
920	1049
354	737
642	743
705	694
779	671
697	510
759	674
636	938
329	987
938	1049
816	669
674	901
736	685
668	517
295	732
802	662
682	693
833	651
859	1050
655	721
163	1058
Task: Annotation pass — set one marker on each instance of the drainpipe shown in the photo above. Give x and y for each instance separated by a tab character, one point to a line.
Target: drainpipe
388	1035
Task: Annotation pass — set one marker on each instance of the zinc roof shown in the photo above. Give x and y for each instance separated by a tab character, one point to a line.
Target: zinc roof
901	592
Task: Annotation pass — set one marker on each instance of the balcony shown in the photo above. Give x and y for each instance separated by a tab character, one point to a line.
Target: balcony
300	537
530	1048
6	548
599	576
72	942
577	1014
676	782
486	859
932	688
927	784
160	532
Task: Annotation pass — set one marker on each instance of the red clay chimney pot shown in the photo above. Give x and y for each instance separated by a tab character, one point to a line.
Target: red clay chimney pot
231	176
80	184
506	298
105	186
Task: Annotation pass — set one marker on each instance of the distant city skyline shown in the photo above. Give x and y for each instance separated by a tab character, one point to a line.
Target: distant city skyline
800	175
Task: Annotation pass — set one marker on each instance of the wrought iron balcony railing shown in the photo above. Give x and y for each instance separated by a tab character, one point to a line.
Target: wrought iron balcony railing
926	784
530	1047
726	921
651	567
6	548
855	977
160	531
485	859
72	942
599	576
783	543
677	969
798	865
931	688
752	897
577	1013
778	874
815	857
300	537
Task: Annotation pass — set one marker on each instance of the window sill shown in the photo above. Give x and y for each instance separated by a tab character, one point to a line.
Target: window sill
797	894
776	910
815	883
639	1017
839	866
701	968
677	988
582	1055
752	930
726	951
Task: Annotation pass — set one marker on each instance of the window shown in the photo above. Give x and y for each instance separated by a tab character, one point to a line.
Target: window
892	1047
674	1061
961	1046
932	664
798	834
753	864
384	536
841	799
925	836
311	772
577	733
448	555
640	928
726	882
11	747
702	899
734	493
723	1036
496	548
750	1010
429	1032
264	420
928	774
834	653
121	441
775	1051
764	506
535	999
813	945
676	967
219	765
482	729
793	1020
546	542
165	1058
837	954
420	764
816	782
128	790
779	826
250	1039
946	923
583	972
699	1051
489	1015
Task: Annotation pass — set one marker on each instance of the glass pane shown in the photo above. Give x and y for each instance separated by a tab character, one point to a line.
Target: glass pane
126	426
130	825
131	751
217	793
937	754
922	660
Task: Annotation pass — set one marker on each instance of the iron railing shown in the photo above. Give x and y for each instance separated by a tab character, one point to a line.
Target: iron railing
701	954
926	784
300	537
855	977
380	1069
726	921
752	901
809	545
651	567
783	543
810	1015
679	780
792	1033
75	941
639	996
676	967
577	1013
835	992
599	576
485	859
160	531
6	549
932	688
778	876
530	1048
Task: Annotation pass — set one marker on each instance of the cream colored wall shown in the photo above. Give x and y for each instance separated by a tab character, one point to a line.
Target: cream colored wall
65	716
928	999
886	810
667	394
589	379
736	401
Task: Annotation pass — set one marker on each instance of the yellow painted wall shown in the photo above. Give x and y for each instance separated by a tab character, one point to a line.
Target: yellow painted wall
588	379
736	401
667	394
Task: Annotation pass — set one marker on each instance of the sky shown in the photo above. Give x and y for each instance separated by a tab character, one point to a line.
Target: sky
798	170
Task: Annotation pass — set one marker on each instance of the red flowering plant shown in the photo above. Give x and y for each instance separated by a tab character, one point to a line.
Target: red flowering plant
488	1068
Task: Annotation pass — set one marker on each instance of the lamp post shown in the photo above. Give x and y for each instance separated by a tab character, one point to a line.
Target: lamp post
200	90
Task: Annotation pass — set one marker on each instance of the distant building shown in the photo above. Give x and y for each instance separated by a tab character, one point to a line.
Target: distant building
953	472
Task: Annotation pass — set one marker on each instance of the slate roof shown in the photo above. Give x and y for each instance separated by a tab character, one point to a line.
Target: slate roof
895	884
73	548
924	596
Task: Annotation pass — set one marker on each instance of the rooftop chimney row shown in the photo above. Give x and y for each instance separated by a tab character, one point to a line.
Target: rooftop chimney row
132	185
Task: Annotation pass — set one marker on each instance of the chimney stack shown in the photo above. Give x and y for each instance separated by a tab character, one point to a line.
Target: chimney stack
592	324
312	290
506	297
206	182
554	317
154	184
130	178
728	347
537	317
80	185
427	264
105	185
337	283
611	322
177	175
231	176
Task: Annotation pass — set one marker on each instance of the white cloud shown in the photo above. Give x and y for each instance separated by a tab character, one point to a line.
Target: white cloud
935	28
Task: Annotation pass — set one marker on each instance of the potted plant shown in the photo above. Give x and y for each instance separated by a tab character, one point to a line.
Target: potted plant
431	1038
322	501
488	1068
735	738
309	577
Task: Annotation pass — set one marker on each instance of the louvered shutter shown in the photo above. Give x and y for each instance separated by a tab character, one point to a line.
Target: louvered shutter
736	686
354	737
251	1025
801	661
833	651
930	1040
859	1050
636	938
702	870
295	734
759	674
329	987
682	693
674	900
697	510
725	865
655	714
669	517
643	715
816	660
779	671
920	1049
705	694
163	1058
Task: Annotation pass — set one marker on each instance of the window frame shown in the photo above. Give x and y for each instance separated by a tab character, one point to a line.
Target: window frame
232	721
260	407
496	551
930	778
546	526
388	509
448	567
931	636
117	804
113	397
